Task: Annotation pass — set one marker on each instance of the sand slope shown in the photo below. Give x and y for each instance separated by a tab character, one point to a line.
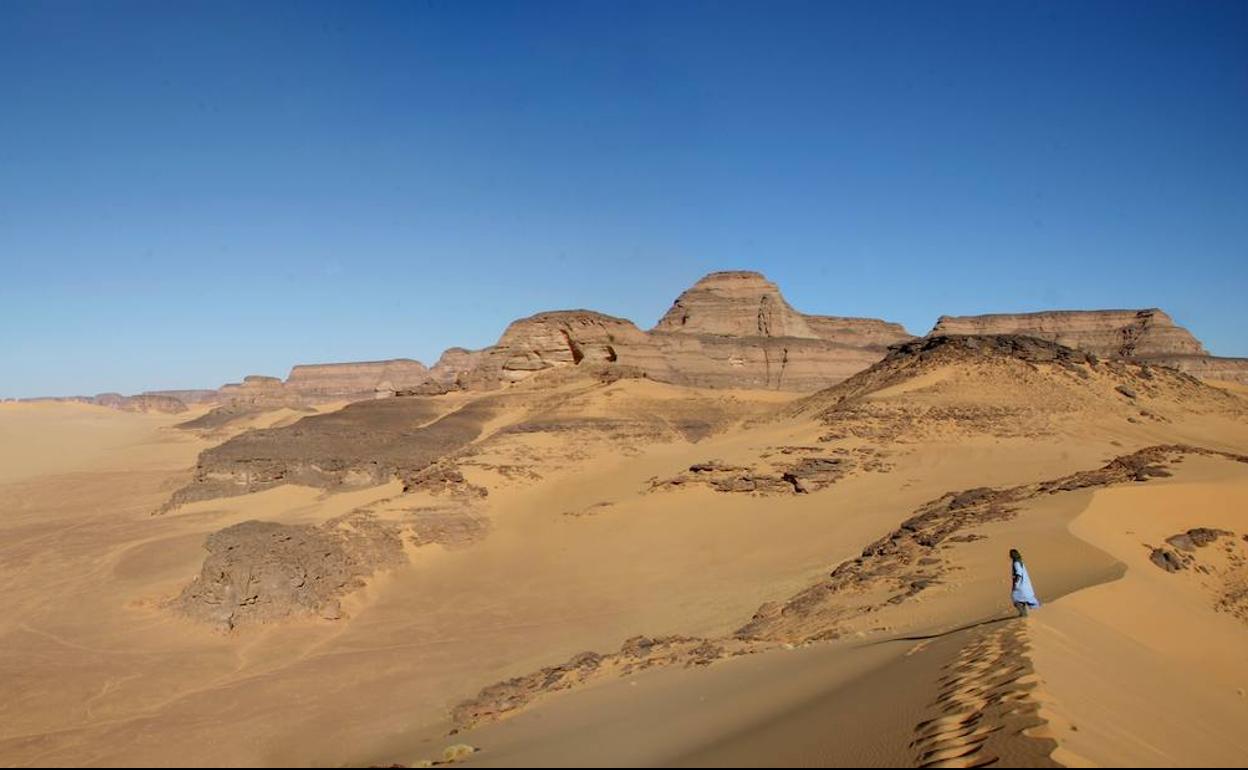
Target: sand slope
564	533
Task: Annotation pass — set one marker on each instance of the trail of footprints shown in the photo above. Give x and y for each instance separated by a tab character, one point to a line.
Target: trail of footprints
985	700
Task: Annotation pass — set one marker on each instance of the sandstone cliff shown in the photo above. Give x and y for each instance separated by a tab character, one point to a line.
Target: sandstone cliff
1148	335
454	364
354	380
564	338
146	402
730	330
1109	333
190	396
152	403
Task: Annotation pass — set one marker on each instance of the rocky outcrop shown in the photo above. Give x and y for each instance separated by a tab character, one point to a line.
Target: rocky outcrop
365	443
1147	335
1007	386
147	402
152	403
1109	333
561	339
770	363
731	330
1209	368
354	380
735	304
454	364
258	390
259	571
192	396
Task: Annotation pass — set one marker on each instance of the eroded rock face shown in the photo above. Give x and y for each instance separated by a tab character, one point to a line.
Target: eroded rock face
1215	368
192	396
259	571
1147	335
561	339
731	330
146	402
152	403
454	364
260	391
735	304
1109	333
355	379
365	443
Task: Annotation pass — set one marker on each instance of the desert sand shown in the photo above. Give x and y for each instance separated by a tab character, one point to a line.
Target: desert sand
593	567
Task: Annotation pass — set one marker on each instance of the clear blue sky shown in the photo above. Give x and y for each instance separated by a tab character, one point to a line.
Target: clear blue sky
191	192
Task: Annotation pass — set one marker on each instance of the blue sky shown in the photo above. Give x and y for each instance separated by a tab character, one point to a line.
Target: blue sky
191	192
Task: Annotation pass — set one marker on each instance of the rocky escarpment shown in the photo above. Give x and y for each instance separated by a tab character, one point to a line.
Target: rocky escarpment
454	364
735	329
735	304
147	402
731	330
1107	333
355	380
1209	368
152	403
1148	335
192	396
260	391
563	339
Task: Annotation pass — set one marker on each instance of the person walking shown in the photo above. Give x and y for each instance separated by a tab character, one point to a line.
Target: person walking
1021	593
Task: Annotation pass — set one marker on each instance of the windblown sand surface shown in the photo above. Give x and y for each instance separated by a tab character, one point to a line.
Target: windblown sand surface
585	513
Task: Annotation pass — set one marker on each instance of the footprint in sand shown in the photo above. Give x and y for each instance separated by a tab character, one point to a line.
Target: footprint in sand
985	706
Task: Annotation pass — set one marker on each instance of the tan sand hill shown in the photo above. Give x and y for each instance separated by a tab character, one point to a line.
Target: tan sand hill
552	530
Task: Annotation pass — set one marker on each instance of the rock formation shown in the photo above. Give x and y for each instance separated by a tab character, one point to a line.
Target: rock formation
147	402
1148	335
454	364
354	380
365	443
1108	333
731	330
191	396
260	571
564	338
259	391
152	403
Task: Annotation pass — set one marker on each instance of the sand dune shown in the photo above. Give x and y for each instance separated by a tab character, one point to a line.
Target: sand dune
833	567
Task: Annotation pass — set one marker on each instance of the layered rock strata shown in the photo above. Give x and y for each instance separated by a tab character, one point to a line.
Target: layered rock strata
1147	335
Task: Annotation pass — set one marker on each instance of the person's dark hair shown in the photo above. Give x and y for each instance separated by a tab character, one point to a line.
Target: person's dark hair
1015	555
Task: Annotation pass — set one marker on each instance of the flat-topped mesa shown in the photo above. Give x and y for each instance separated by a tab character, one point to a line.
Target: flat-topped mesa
1109	333
150	402
736	303
860	332
144	402
258	391
187	396
355	379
